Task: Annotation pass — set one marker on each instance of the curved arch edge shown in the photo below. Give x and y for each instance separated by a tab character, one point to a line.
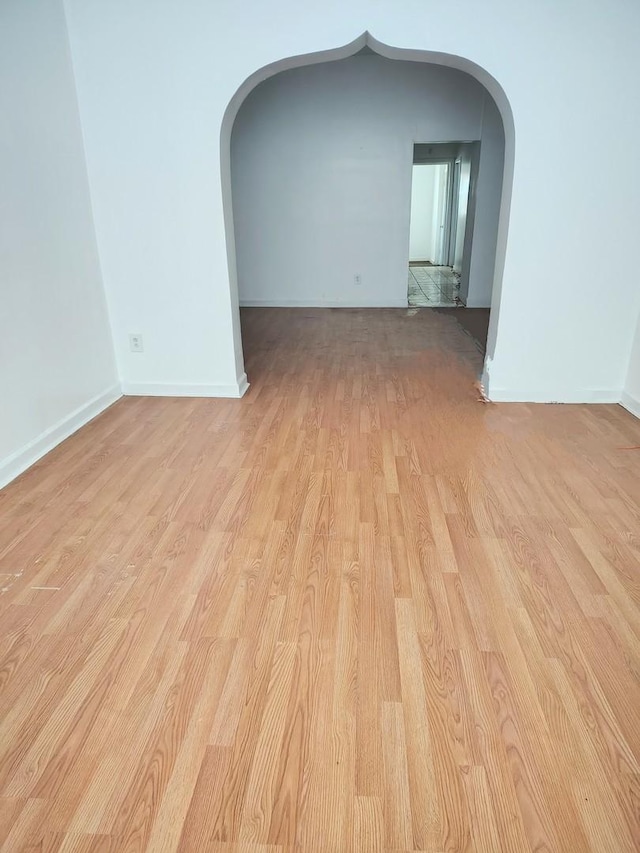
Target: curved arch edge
386	51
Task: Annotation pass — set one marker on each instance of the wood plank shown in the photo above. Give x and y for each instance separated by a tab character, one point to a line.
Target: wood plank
356	610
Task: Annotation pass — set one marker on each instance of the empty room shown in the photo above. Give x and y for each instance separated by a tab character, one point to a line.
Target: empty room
320	434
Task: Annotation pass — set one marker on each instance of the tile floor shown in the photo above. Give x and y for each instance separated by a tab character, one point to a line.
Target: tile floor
433	287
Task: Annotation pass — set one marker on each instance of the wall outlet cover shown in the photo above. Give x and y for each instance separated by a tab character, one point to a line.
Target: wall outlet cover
136	343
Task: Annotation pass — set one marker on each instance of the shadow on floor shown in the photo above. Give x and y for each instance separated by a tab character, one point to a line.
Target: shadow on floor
475	322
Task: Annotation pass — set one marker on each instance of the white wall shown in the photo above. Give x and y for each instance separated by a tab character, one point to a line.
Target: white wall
153	85
461	208
56	358
631	393
321	175
471	159
421	245
154	81
488	193
440	204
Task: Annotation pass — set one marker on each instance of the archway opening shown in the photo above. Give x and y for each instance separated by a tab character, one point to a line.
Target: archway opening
316	172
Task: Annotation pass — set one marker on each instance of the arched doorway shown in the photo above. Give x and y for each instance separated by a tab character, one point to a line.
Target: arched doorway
445	67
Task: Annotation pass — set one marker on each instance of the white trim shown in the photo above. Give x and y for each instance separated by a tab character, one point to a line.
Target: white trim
630	404
587	395
322	303
18	462
482	303
243	385
165	389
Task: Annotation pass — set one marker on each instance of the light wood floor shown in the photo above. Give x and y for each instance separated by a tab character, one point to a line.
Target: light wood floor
355	611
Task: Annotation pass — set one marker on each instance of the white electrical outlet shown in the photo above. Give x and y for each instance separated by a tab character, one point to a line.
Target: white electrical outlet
135	343
357	279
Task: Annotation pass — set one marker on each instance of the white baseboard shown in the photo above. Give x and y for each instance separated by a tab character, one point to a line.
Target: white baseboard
18	462
162	389
323	303
243	385
470	303
519	395
630	404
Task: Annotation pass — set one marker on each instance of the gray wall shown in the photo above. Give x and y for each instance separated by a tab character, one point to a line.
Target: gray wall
321	176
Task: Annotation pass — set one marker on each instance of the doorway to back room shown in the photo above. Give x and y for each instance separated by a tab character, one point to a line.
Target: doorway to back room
439	246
